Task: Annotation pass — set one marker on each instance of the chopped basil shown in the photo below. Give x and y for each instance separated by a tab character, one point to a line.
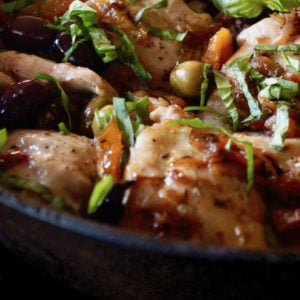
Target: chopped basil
253	8
23	183
282	5
291	61
167	34
102	44
198	123
63	95
254	106
81	21
157	5
63	128
279	48
127	56
279	89
14	6
3	137
102	119
225	90
124	121
100	191
204	108
281	126
142	111
204	84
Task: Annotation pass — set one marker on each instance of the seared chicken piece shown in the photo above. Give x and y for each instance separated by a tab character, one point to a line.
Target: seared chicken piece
186	188
72	78
278	29
156	54
281	173
65	164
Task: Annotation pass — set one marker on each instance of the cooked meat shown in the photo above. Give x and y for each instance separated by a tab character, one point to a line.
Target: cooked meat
75	79
186	188
281	172
278	29
158	55
66	164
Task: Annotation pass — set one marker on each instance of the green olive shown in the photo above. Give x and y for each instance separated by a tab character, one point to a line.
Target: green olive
88	114
186	78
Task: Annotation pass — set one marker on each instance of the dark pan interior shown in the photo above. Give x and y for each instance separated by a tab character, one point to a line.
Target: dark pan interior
107	262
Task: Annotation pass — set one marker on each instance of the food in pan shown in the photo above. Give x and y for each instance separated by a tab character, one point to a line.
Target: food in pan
174	119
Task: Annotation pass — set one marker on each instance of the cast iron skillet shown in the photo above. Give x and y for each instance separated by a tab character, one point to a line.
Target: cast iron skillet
108	262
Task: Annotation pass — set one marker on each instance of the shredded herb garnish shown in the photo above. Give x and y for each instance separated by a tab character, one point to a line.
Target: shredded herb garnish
157	5
279	48
63	128
204	84
127	56
204	108
291	61
81	21
167	34
279	89
124	121
225	90
23	183
281	126
3	137
99	193
254	105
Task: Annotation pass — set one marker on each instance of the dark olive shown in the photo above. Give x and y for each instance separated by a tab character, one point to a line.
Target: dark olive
28	33
84	55
21	102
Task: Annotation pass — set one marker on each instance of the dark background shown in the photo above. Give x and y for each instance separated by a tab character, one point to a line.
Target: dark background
19	279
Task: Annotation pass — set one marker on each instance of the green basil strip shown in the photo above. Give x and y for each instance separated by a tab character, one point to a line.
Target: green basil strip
204	84
279	48
63	95
281	126
204	108
3	137
78	9
254	106
81	21
103	119
166	34
100	191
127	56
102	45
160	4
279	89
124	121
225	90
200	124
142	111
23	183
63	128
15	6
282	5
291	62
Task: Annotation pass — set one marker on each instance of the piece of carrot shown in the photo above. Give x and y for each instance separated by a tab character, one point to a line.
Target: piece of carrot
109	150
219	49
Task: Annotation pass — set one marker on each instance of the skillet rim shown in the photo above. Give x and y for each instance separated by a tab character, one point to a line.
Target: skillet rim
123	238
